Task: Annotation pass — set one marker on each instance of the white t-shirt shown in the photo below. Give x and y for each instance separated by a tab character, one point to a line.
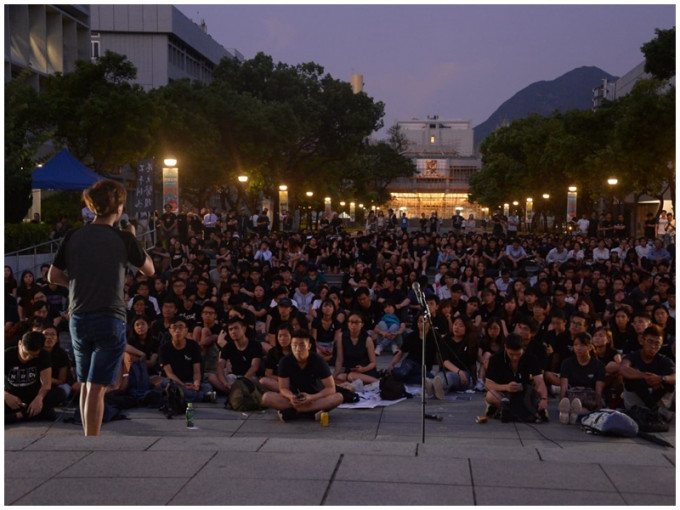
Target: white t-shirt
583	225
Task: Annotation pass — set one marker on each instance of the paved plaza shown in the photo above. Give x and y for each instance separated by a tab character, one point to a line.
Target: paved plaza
364	457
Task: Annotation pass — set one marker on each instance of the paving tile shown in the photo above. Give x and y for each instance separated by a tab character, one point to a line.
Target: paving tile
210	444
633	455
83	443
646	480
506	496
283	466
538	475
105	491
635	499
481	450
15	488
403	493
432	470
262	490
325	447
137	464
40	465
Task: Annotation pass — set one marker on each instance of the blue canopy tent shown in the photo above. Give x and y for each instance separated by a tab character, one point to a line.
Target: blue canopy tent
64	172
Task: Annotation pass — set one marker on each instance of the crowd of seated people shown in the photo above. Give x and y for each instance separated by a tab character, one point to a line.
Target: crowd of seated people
242	298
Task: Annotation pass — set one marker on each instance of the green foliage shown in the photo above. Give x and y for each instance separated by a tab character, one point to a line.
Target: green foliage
63	203
660	54
22	235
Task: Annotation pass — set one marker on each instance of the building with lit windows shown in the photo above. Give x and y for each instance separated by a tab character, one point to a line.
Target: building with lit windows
162	43
443	153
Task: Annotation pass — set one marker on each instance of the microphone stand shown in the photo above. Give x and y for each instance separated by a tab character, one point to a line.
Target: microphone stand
427	316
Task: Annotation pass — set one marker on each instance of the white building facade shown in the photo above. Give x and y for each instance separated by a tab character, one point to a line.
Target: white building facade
162	43
443	153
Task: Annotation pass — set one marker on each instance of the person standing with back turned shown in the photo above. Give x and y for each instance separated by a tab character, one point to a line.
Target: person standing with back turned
91	262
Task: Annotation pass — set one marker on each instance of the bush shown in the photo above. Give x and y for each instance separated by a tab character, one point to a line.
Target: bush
24	235
64	203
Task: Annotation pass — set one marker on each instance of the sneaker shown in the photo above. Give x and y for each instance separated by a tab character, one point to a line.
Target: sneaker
505	410
287	414
395	348
429	387
542	416
439	388
565	408
211	396
358	385
378	351
555	390
576	409
480	385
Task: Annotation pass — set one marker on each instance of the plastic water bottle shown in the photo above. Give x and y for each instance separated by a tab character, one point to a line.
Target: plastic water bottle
190	415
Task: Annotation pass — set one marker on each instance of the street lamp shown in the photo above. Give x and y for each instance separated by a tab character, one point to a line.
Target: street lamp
171	184
612	181
352	211
283	199
309	194
529	210
242	178
546	196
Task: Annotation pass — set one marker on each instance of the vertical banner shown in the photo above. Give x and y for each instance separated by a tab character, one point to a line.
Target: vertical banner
144	192
571	204
171	188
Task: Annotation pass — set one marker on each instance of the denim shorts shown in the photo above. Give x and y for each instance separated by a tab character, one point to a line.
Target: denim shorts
98	345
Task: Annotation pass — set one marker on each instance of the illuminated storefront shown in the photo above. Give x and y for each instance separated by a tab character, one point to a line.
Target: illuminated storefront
443	154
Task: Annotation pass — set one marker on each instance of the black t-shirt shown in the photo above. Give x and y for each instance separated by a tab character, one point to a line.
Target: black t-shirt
372	315
241	360
308	379
181	360
325	336
60	360
272	359
660	365
459	353
168	219
500	370
578	375
23	379
413	346
96	258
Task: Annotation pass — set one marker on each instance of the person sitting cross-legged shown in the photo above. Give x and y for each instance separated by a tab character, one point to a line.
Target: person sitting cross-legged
181	362
511	371
306	385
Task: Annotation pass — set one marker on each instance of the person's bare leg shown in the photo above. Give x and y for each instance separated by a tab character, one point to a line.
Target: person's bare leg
92	407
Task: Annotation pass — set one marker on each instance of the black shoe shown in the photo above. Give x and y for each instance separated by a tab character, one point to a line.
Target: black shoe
542	416
491	411
287	414
505	410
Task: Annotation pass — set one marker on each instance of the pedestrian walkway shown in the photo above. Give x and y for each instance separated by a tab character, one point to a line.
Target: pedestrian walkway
364	457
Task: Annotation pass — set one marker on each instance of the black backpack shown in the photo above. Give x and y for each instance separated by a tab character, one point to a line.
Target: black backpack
391	389
138	379
523	406
245	395
173	401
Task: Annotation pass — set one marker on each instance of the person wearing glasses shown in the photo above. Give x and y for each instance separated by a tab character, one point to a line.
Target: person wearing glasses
28	379
648	376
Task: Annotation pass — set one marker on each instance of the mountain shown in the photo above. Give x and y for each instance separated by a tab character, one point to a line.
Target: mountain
571	91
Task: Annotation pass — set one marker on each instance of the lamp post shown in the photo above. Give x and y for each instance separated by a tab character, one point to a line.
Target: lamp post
546	197
243	180
528	213
571	203
171	184
309	194
352	211
612	181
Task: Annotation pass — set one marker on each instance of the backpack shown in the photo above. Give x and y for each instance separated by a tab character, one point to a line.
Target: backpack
244	395
647	420
523	407
138	379
608	422
391	389
173	401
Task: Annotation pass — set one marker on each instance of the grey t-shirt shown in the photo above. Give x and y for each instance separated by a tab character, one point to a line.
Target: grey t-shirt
95	258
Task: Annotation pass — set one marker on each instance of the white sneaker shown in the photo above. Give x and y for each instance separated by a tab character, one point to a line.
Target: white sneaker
439	388
395	348
378	351
576	409
564	407
429	387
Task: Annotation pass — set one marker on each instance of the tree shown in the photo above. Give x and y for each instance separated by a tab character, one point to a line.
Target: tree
103	119
24	134
660	54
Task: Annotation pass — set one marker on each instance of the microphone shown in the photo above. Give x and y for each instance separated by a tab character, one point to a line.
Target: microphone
416	287
418	293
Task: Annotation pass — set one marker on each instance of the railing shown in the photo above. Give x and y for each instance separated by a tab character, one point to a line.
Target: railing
33	257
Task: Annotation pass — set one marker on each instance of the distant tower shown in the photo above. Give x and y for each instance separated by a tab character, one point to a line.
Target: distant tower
357	81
